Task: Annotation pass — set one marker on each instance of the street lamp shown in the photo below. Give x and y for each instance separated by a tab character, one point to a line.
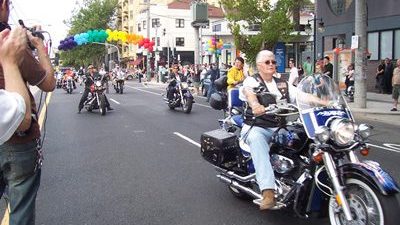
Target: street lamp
321	29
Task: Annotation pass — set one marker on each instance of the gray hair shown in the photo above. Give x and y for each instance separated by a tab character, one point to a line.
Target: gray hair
264	54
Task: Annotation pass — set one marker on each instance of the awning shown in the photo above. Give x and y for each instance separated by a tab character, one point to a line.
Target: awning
137	61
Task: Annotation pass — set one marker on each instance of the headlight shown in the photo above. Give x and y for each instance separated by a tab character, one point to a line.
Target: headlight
98	83
184	85
364	130
322	134
342	131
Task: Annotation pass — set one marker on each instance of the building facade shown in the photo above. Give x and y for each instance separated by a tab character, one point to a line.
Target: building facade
383	31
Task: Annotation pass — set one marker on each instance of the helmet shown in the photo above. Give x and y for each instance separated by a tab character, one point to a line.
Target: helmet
219	101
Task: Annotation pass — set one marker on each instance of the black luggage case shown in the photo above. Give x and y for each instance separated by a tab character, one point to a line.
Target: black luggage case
219	147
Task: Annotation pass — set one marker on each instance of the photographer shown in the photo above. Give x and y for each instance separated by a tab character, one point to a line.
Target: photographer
15	107
23	148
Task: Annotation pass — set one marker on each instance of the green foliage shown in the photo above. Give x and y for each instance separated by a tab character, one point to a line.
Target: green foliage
274	21
95	14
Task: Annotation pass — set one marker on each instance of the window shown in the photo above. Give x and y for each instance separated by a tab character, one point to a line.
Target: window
373	39
155	22
158	41
180	23
180	41
216	28
144	24
397	44
131	1
131	13
386	44
139	28
131	29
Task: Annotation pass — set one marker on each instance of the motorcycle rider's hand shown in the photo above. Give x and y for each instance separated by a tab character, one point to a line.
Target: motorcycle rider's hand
258	109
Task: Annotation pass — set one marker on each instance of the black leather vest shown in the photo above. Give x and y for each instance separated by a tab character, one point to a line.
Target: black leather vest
265	100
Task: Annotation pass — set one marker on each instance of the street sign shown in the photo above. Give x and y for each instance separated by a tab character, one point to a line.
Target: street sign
354	42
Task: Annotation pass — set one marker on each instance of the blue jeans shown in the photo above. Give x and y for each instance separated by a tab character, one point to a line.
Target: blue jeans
17	168
210	91
258	139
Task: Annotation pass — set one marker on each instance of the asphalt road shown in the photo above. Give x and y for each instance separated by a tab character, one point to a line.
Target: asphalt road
132	166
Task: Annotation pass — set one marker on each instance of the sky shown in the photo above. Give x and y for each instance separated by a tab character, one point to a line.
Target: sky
48	13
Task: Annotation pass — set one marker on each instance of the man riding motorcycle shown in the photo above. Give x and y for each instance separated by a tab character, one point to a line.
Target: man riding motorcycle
90	78
174	76
258	128
68	74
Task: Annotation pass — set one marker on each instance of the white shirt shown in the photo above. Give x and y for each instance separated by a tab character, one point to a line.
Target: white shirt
12	110
294	76
251	82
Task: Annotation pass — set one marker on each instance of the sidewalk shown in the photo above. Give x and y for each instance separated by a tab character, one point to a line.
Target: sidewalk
380	104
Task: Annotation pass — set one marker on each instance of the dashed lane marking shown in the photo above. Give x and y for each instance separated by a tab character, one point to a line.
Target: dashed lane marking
187	139
385	148
115	101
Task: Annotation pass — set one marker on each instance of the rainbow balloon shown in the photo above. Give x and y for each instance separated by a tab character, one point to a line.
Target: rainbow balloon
107	35
214	46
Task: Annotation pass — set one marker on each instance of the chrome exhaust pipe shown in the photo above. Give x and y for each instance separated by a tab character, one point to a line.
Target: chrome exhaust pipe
240	187
233	175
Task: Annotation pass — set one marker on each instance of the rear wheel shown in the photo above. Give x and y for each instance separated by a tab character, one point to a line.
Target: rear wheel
367	206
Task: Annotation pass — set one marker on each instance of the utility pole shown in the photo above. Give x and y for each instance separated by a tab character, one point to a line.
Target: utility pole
360	94
148	72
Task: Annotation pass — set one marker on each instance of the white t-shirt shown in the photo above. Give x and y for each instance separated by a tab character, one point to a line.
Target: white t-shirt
294	76
251	82
12	110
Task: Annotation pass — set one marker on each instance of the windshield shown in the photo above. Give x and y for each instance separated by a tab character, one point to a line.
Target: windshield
319	102
318	90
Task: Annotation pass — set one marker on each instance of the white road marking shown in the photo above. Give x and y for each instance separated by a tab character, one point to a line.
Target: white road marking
384	148
154	93
187	139
392	146
115	101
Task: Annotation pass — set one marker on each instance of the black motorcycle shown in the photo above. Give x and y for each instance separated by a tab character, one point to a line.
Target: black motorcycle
96	98
69	85
182	98
315	160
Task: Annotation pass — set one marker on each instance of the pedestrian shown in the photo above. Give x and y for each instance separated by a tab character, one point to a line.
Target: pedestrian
294	74
235	74
196	79
301	72
319	65
328	67
387	77
396	85
214	74
308	67
379	76
23	149
349	77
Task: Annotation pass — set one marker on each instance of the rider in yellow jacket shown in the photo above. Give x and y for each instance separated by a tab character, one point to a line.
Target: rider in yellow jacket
235	74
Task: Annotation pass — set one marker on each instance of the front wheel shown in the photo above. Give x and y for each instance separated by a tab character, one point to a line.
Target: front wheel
187	107
102	105
367	206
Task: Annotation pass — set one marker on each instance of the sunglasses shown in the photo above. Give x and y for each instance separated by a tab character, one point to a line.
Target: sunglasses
270	62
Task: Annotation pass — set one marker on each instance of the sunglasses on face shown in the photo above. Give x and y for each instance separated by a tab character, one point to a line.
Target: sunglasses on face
270	62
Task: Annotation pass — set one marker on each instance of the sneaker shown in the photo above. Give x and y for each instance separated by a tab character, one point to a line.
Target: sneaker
393	110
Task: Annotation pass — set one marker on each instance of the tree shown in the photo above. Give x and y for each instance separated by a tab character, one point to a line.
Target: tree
95	14
274	23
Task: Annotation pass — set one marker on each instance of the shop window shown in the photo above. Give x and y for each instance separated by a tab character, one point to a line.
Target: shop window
386	44
373	45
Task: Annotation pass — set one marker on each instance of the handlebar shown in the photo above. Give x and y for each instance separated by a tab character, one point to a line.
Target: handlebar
275	109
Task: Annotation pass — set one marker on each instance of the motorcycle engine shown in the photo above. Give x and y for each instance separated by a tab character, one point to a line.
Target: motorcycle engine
281	164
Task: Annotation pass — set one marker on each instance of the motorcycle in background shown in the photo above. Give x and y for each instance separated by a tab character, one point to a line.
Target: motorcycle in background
118	82
69	85
315	157
182	98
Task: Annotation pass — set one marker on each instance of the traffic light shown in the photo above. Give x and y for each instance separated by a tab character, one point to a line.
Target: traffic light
164	32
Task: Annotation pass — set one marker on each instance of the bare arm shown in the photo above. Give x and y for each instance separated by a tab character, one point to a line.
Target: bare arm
48	84
12	46
251	97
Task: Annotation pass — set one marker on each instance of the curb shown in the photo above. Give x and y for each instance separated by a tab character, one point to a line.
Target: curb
366	111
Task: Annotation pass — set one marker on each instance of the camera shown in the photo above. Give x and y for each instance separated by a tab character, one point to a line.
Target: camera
34	32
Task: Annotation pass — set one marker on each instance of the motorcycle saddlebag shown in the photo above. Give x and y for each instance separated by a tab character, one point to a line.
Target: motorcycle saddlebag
219	147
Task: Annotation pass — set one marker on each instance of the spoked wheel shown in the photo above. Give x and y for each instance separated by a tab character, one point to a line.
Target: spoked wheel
367	206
